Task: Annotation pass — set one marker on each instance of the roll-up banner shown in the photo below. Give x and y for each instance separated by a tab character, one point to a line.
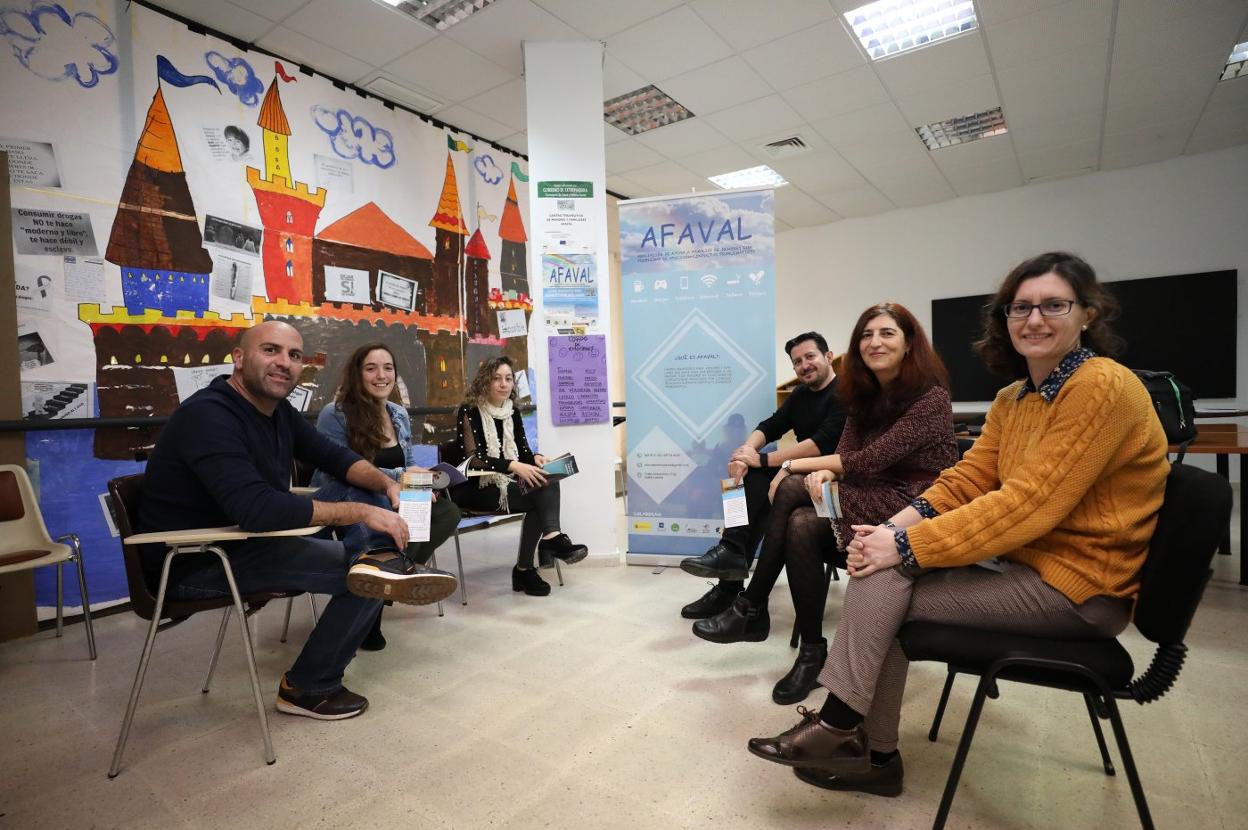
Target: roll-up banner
699	346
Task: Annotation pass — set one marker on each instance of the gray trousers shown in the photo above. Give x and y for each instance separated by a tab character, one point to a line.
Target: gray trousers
866	668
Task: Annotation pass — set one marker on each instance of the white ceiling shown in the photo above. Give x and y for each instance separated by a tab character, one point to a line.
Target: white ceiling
1084	84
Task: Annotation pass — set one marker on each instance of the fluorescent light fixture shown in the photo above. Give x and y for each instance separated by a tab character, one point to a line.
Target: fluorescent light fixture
750	177
440	14
962	129
890	27
643	109
1237	63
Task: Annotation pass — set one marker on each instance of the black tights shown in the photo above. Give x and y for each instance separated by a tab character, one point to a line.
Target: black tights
540	508
798	540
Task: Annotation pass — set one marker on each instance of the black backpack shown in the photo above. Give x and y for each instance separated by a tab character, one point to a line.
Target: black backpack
1175	406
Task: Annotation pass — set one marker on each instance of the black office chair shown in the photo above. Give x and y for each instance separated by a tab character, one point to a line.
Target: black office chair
1197	505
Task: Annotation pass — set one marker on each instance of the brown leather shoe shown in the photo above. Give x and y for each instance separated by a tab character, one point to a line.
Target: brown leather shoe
885	780
813	743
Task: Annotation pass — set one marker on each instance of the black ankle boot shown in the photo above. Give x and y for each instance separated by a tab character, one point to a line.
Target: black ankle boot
804	676
374	640
528	581
740	622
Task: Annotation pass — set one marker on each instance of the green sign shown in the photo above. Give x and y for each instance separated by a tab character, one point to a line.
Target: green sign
565	190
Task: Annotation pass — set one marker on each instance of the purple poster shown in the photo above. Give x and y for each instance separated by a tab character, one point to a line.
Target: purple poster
578	379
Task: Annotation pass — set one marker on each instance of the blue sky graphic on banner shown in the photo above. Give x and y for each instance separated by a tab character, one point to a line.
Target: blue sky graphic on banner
699	334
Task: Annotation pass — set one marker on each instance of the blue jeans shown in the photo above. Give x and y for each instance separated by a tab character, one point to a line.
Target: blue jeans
299	563
442	523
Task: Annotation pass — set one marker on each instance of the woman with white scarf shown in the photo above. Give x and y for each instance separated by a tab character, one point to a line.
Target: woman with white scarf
491	437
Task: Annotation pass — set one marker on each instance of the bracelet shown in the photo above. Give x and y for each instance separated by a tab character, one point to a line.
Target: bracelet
762	460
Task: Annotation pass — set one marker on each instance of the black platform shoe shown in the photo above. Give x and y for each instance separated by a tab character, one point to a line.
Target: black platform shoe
803	678
529	582
741	622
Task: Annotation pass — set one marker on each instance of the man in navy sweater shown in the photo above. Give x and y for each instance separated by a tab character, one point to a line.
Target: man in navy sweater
225	458
814	414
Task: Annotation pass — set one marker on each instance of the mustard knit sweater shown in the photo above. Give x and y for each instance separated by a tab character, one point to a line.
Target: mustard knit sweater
1070	488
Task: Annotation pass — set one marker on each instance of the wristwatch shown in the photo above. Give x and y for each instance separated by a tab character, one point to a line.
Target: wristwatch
787	465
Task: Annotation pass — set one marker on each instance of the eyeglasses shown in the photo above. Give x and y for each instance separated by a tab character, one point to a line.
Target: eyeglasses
1048	308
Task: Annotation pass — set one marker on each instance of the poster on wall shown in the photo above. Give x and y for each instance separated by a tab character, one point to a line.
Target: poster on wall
570	290
31	163
52	232
578	379
43	400
699	343
563	213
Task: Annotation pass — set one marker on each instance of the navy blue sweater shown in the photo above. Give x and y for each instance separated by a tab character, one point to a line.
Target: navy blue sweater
220	461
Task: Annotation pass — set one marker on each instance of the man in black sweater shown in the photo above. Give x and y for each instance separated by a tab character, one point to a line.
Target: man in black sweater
225	458
814	413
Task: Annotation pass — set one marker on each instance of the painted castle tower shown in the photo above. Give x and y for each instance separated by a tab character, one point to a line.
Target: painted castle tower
448	258
514	265
155	238
477	314
288	210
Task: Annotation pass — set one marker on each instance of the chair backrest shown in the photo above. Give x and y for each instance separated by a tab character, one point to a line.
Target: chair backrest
1191	523
964	445
449	452
127	493
21	523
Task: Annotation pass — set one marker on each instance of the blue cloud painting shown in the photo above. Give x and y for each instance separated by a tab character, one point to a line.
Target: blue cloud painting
353	137
58	46
487	169
237	75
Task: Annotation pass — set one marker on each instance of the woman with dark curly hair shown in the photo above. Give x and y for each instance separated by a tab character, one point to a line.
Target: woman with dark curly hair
367	415
897	439
1040	529
491	436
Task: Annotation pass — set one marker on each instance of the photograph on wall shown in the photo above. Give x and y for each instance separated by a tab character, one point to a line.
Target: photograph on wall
227	234
230	142
396	291
47	400
231	278
31	163
32	352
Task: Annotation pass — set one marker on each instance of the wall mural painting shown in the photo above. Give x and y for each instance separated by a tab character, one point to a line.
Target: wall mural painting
58	46
232	210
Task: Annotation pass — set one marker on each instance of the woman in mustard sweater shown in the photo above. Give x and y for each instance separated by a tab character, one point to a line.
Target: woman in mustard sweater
1040	529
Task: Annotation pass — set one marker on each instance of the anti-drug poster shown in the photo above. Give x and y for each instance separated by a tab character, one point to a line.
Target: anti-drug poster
699	333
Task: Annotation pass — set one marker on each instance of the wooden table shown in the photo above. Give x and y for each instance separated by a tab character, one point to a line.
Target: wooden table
1223	441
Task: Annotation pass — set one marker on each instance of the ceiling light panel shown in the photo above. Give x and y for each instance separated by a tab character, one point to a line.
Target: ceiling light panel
440	14
963	129
1237	63
760	176
891	27
643	109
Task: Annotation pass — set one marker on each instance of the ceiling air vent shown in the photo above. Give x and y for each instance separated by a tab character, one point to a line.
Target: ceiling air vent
400	94
785	147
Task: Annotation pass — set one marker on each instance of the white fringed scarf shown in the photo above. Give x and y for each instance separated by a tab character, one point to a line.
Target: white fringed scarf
493	449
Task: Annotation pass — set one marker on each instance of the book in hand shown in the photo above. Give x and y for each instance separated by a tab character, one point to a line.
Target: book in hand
829	507
556	469
446	475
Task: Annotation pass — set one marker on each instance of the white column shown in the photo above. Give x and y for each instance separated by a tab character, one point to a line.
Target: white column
563	87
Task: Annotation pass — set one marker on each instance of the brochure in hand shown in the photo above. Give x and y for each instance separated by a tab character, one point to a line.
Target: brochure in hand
830	506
